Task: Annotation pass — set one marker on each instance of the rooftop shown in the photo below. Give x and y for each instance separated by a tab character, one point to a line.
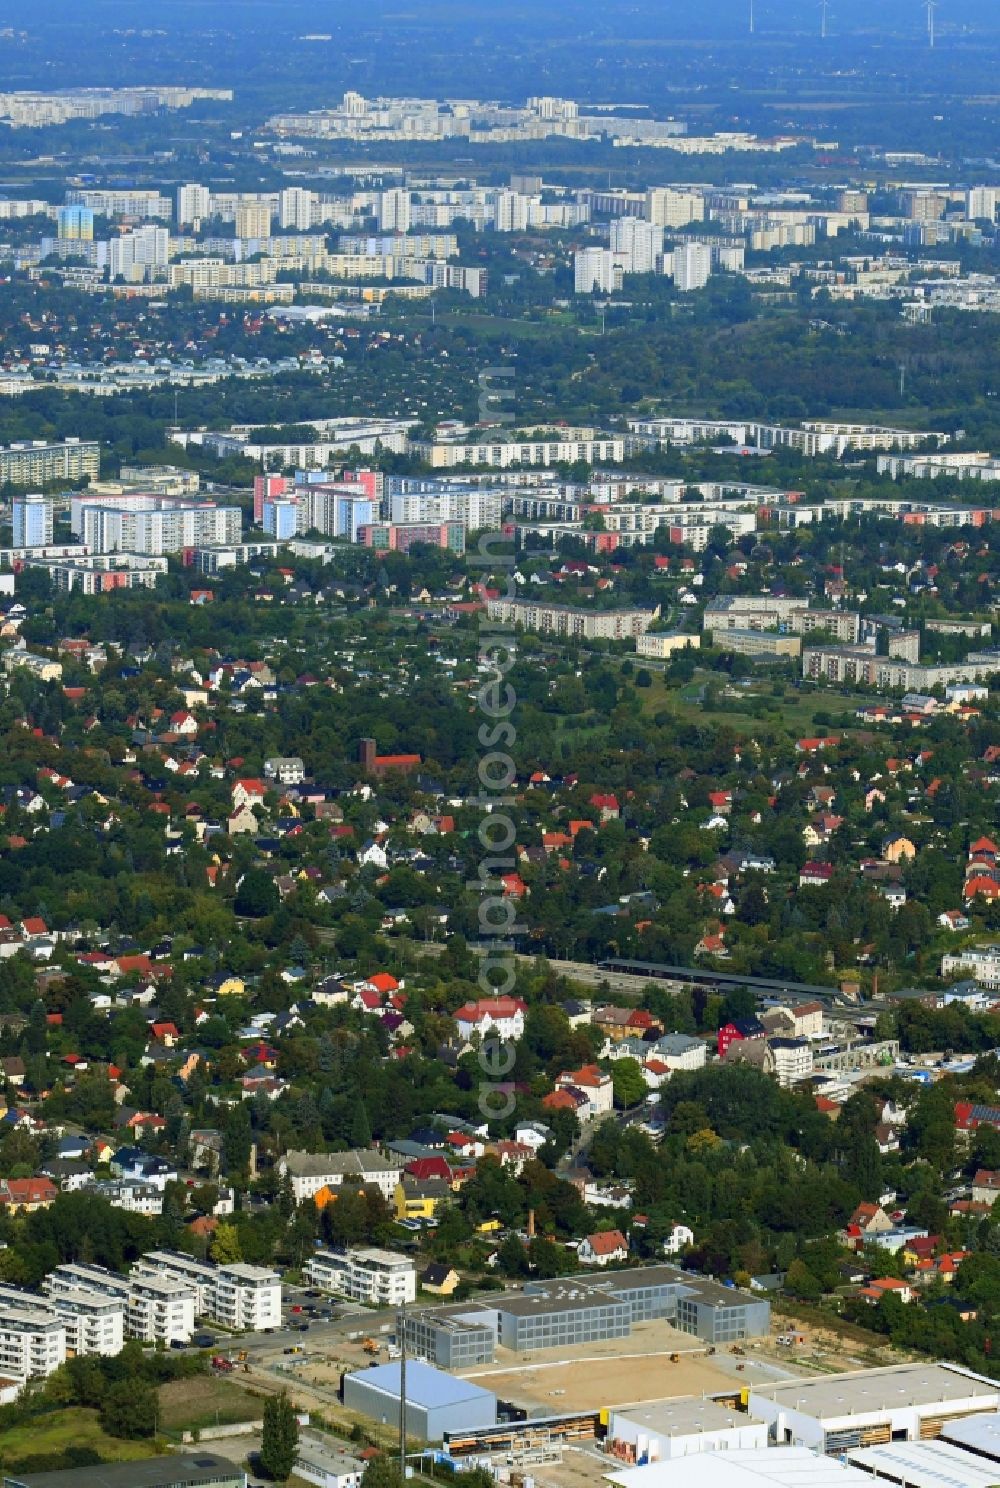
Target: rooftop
874	1391
780	1467
425	1386
687	1414
926	1464
177	1470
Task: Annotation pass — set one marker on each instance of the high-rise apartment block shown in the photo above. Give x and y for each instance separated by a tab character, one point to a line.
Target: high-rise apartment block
692	266
33	524
193	203
981	203
596	271
75	223
667	207
253	219
636	244
298	208
394	211
35	463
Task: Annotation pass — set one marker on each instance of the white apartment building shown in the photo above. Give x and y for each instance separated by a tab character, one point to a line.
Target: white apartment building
169	528
554	619
35	463
596	271
981	203
156	1308
981	962
679	1051
394	211
692	266
240	1296
793	1059
193	203
134	255
298	208
160	1309
32	1340
94	1324
564	447
247	1298
311	1171
128	203
477	509
381	1278
635	244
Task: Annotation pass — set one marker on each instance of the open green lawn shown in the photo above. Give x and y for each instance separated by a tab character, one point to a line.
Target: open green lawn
206	1400
794	713
75	1426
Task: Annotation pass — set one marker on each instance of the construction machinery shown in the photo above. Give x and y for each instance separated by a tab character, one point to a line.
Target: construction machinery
370	1346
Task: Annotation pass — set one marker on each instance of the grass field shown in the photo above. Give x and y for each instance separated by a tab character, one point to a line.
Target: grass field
191	1404
73	1427
794	713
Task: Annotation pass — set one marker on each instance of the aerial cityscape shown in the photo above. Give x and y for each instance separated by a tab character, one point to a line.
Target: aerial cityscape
500	744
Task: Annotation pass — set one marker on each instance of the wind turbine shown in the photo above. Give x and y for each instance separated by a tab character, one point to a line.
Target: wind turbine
930	6
824	6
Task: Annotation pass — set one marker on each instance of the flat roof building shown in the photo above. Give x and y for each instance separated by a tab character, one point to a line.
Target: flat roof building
176	1470
453	1338
925	1464
435	1402
846	1411
794	1467
666	1429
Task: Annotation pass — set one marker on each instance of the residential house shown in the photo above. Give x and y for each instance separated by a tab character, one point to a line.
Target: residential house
594	1084
603	1248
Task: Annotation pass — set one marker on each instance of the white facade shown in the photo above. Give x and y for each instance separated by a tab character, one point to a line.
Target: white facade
94	1324
394	211
193	203
981	962
309	1172
106	529
32	1341
132	255
596	271
669	1429
382	1278
793	1060
692	266
829	1415
241	1297
32	521
160	1309
635	244
298	208
247	1298
981	203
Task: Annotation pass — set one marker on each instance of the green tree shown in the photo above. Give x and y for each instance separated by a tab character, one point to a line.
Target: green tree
382	1472
257	895
628	1083
128	1409
226	1249
280	1437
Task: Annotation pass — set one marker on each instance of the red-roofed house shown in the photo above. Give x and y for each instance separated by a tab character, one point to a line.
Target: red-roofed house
25	1195
603	1248
594	1084
503	1016
248	793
